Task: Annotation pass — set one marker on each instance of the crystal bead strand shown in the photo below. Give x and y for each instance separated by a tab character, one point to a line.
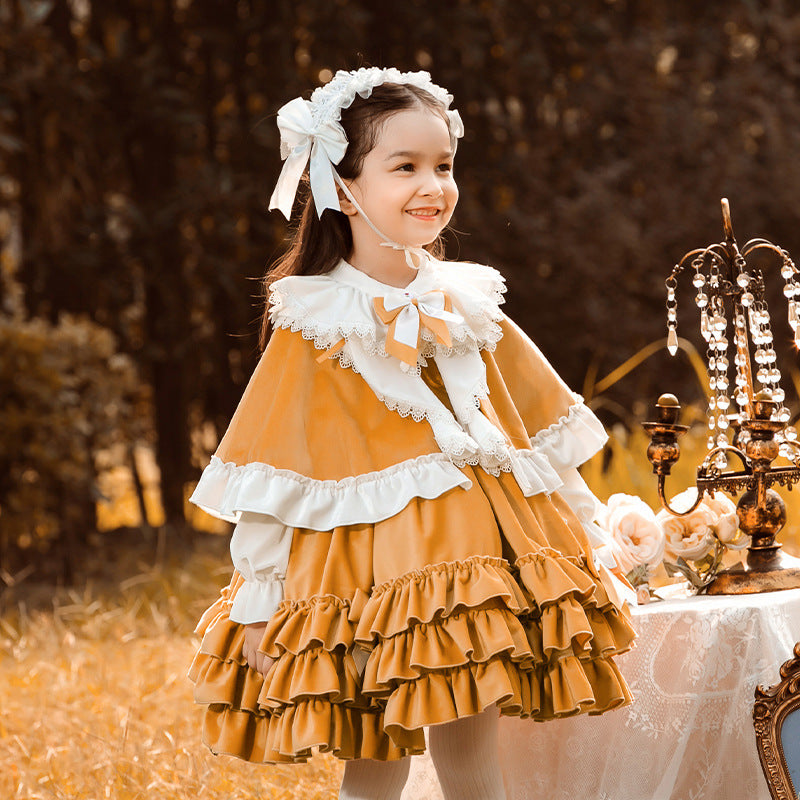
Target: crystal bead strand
740	359
717	363
767	373
672	313
740	340
709	334
791	291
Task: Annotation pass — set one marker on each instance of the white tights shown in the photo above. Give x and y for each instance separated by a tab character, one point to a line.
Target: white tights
464	753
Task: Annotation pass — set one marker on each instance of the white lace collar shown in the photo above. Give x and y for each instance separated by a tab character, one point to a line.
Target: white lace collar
340	305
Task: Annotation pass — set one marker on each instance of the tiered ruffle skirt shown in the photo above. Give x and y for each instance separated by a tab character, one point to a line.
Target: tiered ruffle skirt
480	597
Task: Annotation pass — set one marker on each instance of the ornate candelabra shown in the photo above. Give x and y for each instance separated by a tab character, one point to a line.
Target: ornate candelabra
757	433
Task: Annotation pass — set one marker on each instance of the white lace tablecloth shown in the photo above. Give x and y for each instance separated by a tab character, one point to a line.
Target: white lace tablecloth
688	734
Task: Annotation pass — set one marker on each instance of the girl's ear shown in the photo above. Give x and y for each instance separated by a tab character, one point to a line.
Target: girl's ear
347	207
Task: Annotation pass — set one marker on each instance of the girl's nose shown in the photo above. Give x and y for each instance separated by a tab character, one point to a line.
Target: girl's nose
431	187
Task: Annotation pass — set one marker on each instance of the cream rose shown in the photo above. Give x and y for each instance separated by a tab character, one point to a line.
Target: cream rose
690	536
727	524
637	537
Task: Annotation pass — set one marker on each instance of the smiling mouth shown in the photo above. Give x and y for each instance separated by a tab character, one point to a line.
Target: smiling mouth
424	213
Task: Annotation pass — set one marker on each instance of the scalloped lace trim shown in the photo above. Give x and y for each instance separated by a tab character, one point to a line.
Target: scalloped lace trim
288	311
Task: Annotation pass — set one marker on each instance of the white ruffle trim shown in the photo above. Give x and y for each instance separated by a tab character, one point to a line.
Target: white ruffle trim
225	490
256	601
575	438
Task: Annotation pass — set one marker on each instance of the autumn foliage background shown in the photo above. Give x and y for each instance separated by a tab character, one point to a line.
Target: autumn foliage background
138	149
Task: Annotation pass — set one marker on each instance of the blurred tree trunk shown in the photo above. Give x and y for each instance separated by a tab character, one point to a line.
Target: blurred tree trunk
154	159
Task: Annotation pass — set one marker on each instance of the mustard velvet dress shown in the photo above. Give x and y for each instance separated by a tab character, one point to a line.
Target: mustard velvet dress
424	582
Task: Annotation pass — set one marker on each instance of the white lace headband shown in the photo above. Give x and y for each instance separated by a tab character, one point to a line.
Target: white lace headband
311	132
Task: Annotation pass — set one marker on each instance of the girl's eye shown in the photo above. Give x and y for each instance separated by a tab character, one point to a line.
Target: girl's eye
445	167
406	167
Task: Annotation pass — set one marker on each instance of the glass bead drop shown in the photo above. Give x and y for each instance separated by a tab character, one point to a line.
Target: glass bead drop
672	341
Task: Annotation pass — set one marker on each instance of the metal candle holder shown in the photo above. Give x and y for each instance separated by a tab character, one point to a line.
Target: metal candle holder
759	428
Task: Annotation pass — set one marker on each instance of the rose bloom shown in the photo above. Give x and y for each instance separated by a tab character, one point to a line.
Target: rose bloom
691	536
637	537
727	525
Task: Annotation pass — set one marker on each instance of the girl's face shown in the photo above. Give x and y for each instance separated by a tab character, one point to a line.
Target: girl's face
406	186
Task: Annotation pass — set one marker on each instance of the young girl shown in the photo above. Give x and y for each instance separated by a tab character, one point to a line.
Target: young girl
413	544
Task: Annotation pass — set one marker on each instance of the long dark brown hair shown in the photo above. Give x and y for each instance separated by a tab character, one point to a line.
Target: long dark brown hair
317	244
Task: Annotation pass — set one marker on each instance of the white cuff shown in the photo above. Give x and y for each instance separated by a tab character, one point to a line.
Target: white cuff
260	548
256	601
575	438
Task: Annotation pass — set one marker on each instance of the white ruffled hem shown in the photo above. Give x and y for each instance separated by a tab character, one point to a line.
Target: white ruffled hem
225	490
575	438
256	601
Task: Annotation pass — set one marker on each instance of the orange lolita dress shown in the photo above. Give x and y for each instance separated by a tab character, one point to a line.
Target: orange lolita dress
410	522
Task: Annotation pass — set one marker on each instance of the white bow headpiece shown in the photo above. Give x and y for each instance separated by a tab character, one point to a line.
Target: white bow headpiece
310	131
324	144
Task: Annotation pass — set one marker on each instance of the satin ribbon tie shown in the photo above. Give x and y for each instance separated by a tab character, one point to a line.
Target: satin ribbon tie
407	315
420	253
304	140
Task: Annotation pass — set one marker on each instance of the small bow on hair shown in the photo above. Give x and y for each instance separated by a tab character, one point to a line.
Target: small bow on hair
406	317
302	139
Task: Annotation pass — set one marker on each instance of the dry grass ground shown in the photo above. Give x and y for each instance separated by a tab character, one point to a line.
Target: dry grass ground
94	699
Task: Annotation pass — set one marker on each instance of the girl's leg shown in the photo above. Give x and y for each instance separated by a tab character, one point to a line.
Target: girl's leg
365	779
464	753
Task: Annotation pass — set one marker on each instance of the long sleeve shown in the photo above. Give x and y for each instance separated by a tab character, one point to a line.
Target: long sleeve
260	552
582	501
585	505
